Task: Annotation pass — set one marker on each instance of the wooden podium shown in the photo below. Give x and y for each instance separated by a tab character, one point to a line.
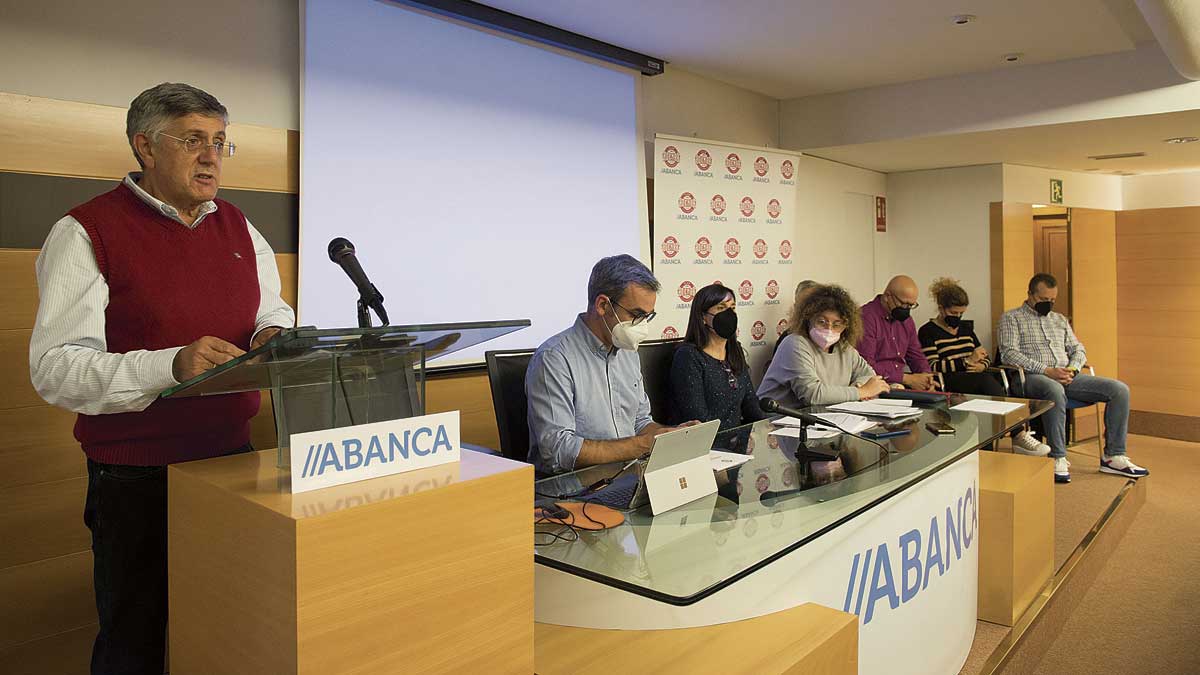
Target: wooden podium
1016	527
429	571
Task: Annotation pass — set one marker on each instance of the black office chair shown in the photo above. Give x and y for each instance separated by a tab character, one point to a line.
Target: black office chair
656	356
506	374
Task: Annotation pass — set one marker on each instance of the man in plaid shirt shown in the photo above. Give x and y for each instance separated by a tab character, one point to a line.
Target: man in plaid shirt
1042	343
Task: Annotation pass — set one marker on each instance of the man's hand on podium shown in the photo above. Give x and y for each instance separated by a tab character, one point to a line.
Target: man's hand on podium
264	336
204	354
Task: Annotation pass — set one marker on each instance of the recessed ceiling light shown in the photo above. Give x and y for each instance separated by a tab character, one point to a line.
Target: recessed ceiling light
1013	57
1182	139
1039	206
1123	155
963	19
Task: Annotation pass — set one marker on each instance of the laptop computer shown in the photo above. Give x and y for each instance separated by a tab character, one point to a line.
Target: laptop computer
677	472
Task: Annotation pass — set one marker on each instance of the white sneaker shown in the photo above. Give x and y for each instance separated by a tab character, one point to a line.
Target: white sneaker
1062	470
1121	466
1026	444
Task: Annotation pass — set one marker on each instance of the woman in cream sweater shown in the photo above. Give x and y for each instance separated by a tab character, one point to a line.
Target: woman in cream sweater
817	363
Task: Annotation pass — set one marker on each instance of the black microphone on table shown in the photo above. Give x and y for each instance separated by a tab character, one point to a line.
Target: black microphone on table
772	406
341	251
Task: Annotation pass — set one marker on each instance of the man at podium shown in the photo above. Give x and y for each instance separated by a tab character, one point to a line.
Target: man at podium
587	403
141	288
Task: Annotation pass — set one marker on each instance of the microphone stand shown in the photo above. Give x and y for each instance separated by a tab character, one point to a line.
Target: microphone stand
772	406
364	313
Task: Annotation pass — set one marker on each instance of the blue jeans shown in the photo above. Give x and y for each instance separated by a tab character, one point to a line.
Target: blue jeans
1091	390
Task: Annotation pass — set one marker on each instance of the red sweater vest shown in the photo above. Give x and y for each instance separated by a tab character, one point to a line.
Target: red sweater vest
167	286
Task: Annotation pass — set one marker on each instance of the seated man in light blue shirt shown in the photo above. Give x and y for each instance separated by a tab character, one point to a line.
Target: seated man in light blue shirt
1043	343
587	404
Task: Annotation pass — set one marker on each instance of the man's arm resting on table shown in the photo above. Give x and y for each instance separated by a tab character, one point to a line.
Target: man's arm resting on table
620	449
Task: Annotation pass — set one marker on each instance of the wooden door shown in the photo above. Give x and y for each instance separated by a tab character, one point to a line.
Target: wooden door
1052	254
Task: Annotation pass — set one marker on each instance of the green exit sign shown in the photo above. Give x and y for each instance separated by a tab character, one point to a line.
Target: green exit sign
1056	191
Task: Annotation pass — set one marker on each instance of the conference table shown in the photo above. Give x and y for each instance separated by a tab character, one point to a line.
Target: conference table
889	534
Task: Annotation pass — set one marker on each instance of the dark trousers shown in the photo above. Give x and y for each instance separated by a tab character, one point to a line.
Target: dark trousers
980	384
126	510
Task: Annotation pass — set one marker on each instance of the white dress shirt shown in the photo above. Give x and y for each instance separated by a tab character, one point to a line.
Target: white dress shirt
68	359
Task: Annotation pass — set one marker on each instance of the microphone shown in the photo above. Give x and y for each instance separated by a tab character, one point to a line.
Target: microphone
341	251
772	406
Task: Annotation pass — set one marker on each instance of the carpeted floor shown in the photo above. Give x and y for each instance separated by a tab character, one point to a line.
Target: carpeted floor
1077	507
1145	616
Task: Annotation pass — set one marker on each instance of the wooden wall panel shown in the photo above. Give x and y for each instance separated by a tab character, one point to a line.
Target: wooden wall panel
68	138
19	299
39	446
1158	308
46	598
1166	246
1151	323
471	394
1011	255
41	521
68	652
1094	287
16	391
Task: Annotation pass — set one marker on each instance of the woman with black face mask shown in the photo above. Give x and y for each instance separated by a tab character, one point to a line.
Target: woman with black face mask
950	344
710	378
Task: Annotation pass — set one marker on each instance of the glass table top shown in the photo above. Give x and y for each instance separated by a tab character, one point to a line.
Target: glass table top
302	356
765	508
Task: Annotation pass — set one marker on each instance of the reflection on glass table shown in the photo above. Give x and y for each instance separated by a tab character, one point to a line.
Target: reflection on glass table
788	494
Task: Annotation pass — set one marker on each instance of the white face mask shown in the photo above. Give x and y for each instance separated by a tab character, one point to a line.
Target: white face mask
625	335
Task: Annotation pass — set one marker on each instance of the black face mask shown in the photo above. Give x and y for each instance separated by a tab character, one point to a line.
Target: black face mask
900	313
953	321
724	324
1043	308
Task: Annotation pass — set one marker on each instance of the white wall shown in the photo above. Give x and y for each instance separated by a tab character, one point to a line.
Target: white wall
1136	82
247	54
939	225
1160	191
834	243
684	104
1031	185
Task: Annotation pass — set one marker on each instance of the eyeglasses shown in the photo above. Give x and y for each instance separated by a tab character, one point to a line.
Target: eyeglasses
825	325
638	315
903	304
193	145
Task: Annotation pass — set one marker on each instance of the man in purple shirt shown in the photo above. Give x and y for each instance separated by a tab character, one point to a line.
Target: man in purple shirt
889	340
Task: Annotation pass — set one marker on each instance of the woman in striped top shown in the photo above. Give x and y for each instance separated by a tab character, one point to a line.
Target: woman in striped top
951	345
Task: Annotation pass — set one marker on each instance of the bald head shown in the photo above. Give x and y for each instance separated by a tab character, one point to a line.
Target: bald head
904	289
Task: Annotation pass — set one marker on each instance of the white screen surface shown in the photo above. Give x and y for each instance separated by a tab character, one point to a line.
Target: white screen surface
479	178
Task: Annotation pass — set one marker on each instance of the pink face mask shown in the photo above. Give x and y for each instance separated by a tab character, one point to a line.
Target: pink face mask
824	337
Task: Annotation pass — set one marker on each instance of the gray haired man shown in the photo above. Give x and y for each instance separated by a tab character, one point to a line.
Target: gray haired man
143	287
587	404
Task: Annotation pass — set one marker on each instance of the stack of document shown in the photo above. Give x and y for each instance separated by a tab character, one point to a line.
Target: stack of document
852	423
981	405
881	407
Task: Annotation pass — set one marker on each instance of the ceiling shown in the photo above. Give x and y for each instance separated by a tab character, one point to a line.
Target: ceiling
1055	146
793	48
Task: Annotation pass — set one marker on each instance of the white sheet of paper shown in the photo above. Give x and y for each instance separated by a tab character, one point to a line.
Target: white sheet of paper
988	407
722	460
815	432
788	422
851	423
